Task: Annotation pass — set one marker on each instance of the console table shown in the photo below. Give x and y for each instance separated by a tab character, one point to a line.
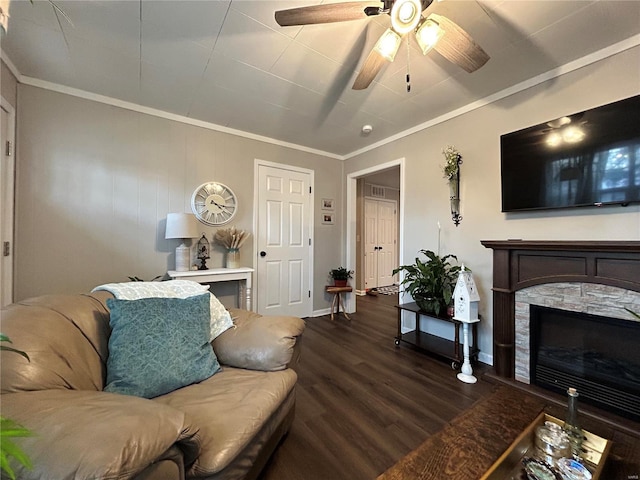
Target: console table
242	275
451	350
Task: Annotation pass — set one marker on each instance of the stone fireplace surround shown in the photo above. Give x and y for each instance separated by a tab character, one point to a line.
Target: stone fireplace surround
583	270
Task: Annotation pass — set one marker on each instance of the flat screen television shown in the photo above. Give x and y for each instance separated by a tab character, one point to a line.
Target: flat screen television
591	158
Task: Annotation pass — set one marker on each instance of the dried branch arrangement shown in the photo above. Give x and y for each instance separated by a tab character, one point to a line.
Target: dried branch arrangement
230	238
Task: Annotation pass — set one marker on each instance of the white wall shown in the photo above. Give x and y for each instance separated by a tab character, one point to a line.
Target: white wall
95	183
477	136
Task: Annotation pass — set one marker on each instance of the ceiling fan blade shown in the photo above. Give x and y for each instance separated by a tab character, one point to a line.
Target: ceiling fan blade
372	65
457	46
327	13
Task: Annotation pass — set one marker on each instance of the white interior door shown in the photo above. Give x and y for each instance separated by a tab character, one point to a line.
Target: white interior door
370	243
380	242
7	180
387	245
283	242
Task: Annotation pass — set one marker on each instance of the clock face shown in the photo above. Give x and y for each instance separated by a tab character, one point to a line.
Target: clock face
214	203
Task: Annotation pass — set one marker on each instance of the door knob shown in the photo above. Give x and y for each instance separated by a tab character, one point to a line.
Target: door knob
263	253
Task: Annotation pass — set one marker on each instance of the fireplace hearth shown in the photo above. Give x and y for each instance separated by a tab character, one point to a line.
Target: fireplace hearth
597	355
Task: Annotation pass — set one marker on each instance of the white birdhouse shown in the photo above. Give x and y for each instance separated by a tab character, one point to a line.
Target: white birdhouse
466	298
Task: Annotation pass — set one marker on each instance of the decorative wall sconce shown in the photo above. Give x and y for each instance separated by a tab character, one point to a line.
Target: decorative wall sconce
452	174
454	188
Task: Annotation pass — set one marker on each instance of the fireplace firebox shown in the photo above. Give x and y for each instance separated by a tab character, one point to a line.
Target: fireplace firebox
599	356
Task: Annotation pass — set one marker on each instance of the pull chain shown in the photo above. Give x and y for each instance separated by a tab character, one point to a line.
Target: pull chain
408	68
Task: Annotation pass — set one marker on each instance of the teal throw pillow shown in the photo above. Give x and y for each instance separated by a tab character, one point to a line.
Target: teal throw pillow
158	345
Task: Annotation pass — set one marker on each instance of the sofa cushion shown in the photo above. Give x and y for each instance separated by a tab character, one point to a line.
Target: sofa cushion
158	345
90	435
239	403
220	317
267	343
66	339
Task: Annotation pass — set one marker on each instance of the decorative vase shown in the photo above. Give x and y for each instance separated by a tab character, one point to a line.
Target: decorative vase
454	191
233	258
454	198
340	283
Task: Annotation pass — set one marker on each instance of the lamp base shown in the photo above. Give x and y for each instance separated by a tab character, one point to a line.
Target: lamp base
463	377
183	258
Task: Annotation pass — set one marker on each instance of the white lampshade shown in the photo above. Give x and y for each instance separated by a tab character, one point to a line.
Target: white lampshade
181	225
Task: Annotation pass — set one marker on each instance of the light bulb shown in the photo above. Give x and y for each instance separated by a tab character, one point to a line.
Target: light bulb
428	34
388	44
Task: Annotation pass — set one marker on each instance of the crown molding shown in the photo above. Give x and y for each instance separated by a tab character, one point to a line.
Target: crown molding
594	57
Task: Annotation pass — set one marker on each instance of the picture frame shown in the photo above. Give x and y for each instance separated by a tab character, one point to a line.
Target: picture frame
327	218
327	204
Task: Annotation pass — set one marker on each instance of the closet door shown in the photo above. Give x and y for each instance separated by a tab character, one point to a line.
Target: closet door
386	242
379	242
370	243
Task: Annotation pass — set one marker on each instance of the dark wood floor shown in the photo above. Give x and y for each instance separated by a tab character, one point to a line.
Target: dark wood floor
363	403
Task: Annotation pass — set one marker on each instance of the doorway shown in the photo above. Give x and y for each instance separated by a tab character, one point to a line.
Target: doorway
353	240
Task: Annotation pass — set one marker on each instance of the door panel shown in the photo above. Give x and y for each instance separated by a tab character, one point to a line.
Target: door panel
283	234
274	231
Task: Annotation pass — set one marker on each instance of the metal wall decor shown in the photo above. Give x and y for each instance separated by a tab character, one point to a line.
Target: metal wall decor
451	172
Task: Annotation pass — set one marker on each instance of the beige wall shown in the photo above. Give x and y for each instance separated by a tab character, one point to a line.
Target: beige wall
95	183
8	85
477	137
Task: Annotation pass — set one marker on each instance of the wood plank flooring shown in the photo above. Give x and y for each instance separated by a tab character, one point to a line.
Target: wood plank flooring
363	403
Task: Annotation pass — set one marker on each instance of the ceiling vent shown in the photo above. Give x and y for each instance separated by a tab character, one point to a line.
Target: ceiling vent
377	191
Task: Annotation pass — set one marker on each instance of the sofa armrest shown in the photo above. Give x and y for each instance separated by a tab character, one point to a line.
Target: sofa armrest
257	342
89	434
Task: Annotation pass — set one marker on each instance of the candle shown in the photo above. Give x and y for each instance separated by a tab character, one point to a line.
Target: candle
438	237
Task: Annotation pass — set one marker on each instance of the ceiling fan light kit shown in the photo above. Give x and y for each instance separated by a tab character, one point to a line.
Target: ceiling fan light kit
431	31
428	34
405	15
388	44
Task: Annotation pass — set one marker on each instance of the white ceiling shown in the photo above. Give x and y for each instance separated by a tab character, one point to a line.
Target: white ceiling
228	63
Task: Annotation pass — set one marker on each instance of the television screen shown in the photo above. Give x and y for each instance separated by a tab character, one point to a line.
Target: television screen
585	159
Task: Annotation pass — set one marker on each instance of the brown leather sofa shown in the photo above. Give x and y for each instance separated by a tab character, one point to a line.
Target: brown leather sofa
225	427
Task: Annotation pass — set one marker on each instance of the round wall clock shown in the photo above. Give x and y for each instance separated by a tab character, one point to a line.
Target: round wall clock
214	203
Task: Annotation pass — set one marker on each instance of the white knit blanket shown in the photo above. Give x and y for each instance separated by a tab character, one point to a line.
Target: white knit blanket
220	317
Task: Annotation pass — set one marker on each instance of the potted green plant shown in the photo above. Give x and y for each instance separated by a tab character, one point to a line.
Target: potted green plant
10	429
341	276
430	283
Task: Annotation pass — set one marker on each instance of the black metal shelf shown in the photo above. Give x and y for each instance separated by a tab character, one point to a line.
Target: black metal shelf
441	347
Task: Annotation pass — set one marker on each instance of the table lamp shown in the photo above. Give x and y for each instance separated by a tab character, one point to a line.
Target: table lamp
182	226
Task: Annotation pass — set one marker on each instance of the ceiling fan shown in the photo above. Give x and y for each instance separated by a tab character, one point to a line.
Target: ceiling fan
430	30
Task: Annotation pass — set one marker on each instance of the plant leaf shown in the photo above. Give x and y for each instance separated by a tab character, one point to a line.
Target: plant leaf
637	315
19	352
4	466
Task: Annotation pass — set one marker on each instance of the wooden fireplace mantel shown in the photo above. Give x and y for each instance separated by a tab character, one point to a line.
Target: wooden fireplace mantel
519	264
